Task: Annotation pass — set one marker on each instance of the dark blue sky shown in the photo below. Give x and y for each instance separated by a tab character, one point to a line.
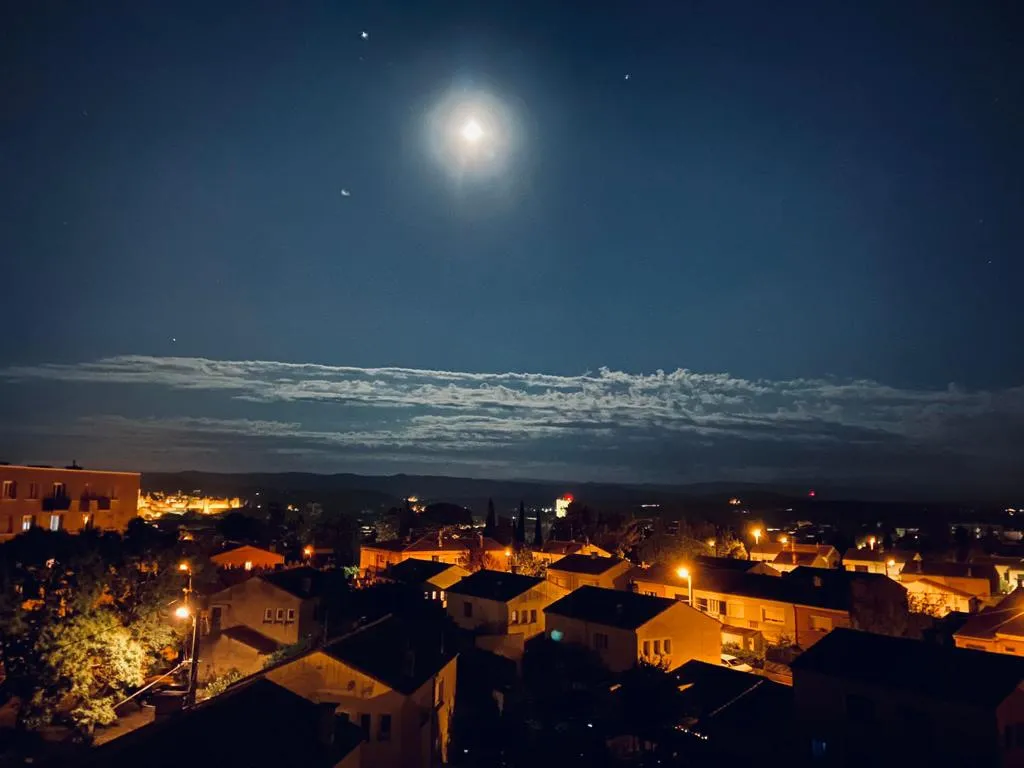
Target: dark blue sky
778	192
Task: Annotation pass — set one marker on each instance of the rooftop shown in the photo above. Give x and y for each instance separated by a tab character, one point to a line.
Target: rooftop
398	653
1004	618
713	693
559	547
250	637
592	565
494	585
951	570
725	563
612	607
789	557
414	571
288	727
879	555
302	581
939	672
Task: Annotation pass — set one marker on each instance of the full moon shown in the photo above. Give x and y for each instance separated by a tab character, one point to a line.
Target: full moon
472	132
472	135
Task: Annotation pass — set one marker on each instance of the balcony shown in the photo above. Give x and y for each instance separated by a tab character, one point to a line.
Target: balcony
56	504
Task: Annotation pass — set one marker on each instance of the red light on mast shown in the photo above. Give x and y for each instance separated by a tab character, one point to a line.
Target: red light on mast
812	493
568	497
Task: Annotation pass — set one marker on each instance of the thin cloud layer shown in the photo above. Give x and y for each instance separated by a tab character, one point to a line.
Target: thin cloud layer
664	426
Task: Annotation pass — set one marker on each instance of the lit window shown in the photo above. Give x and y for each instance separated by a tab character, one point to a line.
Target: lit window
426	595
268	615
773	616
821	623
26	522
280	614
433	594
55	522
442	594
291	614
515	617
10	490
248	565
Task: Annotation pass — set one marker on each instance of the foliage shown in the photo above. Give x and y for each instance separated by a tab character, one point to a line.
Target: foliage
523	562
750	657
476	558
649	704
219	684
521	525
83	622
385	529
238	526
288	651
538	530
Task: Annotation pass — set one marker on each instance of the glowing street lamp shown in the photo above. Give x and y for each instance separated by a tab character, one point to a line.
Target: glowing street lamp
684	573
307	551
182	612
889	564
757	536
871	541
183	567
784	539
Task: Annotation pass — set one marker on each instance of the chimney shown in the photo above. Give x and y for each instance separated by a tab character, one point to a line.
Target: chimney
325	724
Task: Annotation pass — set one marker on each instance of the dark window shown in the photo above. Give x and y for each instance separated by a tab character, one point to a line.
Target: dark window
702	604
860	568
364	725
533	616
467	609
435	558
384	728
819	748
1008	736
860	708
668	645
440	691
600	641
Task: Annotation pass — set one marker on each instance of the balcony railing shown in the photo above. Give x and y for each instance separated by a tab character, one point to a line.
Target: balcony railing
56	504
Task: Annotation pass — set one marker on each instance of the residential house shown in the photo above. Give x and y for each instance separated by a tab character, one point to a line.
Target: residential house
731	715
889	563
873	601
868	699
506	609
574	571
277	609
1009	568
374	559
935	598
65	499
624	628
432	578
249	558
948	585
999	629
789	559
393	679
784	610
553	550
255	723
769	552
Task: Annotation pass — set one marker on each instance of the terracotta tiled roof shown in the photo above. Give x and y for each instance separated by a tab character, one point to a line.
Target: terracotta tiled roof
592	565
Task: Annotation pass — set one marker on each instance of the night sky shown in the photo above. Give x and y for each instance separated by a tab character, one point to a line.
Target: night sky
693	241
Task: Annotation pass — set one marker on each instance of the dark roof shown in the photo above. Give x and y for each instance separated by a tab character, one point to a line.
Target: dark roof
401	654
725	563
713	693
255	640
302	582
413	571
219	732
1006	618
842	577
554	547
878	555
951	674
612	607
952	570
494	585
780	589
592	565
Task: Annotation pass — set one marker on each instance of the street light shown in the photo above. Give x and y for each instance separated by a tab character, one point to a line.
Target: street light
871	541
757	536
182	612
307	551
183	567
784	539
684	573
889	564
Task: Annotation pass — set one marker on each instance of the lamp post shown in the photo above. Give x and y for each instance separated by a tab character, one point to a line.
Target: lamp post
182	612
889	564
684	573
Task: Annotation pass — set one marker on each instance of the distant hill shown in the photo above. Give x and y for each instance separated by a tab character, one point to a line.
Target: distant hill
350	492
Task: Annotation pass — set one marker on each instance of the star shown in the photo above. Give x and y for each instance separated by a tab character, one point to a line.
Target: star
364	35
627	76
173	339
346	193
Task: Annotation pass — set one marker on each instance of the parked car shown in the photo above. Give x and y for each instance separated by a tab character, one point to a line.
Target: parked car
730	661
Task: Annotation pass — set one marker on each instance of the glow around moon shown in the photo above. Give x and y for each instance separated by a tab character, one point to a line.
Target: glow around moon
472	134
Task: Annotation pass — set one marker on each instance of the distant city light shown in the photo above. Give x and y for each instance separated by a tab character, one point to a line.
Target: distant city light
562	505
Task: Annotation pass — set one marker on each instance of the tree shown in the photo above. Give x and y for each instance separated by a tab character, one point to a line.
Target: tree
476	558
78	633
523	562
538	533
521	525
491	523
